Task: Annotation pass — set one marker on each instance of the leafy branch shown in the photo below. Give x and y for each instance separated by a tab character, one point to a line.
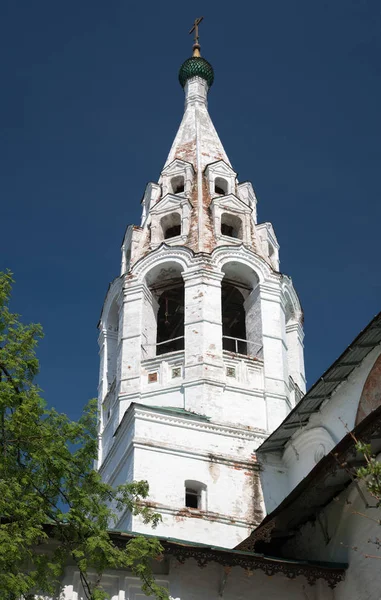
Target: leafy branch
54	507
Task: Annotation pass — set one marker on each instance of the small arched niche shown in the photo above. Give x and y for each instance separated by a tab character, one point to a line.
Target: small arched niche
220	186
164	310
231	225
171	225
177	184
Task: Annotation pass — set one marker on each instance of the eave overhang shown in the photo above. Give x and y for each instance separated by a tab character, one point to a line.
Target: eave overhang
326	385
332	475
203	554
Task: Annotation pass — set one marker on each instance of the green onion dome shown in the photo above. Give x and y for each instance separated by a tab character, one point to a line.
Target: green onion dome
196	66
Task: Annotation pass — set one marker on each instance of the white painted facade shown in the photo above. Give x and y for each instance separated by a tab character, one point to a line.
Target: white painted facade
213	582
201	359
345	532
196	408
325	428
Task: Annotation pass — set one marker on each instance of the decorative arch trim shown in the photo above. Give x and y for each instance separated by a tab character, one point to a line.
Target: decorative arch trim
317	438
112	294
225	254
293	298
164	253
370	398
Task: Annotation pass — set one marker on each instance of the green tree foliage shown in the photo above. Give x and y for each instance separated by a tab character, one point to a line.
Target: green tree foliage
370	472
54	507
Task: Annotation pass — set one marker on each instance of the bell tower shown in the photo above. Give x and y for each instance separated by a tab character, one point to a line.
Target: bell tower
201	340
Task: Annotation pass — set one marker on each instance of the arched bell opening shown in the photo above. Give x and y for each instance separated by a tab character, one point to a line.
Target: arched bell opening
233	319
170	319
164	310
241	310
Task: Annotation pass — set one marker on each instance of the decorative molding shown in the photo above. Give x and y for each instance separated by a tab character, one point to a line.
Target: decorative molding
113	293
164	253
223	255
205	515
248	561
252	435
215	458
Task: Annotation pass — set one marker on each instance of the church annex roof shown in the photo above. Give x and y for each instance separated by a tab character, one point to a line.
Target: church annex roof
183	550
325	386
332	474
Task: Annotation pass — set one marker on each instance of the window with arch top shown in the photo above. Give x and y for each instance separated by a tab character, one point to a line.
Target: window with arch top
171	226
233	319
231	225
220	186
177	184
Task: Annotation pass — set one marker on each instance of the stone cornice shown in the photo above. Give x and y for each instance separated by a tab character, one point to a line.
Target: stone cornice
243	207
295	326
231	431
205	515
154	414
160	206
203	273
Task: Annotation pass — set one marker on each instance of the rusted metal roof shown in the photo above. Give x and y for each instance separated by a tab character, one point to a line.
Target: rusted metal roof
326	385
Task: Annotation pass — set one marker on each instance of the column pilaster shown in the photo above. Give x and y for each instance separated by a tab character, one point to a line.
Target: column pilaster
274	353
203	324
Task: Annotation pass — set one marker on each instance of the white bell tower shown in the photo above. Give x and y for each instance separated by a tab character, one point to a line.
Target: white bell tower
201	340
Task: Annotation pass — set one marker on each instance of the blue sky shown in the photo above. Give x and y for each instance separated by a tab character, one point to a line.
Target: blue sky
89	107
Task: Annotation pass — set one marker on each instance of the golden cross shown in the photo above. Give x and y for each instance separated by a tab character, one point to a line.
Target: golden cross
195	29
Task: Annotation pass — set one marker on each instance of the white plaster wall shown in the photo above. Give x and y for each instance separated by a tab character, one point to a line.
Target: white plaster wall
326	427
338	413
166	450
295	354
274	480
342	533
213	582
304	452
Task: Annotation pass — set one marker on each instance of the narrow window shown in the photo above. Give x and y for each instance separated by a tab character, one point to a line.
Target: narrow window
170	319
177	184
233	320
195	495
171	226
220	186
192	498
231	226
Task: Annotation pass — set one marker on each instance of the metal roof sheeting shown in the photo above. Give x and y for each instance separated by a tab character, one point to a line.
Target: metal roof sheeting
351	358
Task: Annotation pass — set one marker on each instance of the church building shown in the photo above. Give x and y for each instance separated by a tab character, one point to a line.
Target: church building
201	340
202	393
